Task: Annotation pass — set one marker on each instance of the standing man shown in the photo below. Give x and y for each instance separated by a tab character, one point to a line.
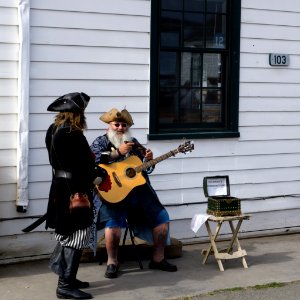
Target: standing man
141	207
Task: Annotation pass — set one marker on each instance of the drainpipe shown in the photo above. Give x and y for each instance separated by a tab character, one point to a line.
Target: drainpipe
23	106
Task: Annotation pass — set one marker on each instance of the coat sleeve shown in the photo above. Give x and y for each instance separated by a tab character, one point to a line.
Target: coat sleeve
72	154
99	145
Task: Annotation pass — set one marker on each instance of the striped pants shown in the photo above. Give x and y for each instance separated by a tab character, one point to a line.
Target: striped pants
77	240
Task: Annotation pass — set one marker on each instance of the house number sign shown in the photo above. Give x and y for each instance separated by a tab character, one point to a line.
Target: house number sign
276	59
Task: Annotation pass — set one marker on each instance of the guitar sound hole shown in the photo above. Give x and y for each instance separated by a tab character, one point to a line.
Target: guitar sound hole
130	172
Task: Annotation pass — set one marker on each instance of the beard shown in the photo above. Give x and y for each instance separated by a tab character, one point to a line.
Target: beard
116	138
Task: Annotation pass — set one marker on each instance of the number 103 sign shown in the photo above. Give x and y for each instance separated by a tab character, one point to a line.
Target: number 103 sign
276	59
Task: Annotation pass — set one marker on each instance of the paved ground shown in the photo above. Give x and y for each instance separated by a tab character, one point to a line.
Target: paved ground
275	291
270	259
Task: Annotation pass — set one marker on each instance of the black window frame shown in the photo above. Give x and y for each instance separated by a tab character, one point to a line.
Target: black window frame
232	80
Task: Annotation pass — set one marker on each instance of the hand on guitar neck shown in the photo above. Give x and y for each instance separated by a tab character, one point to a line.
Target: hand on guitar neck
149	154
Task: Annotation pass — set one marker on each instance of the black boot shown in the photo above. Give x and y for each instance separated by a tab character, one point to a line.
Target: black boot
66	290
78	283
81	284
65	263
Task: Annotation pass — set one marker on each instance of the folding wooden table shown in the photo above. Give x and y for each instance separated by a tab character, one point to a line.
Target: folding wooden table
227	253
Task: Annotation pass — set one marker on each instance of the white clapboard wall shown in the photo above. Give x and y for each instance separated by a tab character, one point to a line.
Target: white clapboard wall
9	47
103	49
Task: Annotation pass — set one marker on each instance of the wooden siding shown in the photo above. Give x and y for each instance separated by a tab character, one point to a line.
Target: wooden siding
8	107
269	111
106	54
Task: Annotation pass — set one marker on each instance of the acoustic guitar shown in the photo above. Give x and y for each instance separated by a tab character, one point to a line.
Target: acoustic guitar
127	174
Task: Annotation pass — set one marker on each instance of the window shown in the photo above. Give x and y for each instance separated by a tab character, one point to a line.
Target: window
194	68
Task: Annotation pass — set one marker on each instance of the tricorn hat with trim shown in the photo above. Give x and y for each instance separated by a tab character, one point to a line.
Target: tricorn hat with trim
115	115
72	102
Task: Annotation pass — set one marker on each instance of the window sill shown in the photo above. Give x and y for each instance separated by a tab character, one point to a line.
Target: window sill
195	135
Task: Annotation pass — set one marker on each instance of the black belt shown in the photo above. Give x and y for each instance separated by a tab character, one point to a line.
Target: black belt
63	174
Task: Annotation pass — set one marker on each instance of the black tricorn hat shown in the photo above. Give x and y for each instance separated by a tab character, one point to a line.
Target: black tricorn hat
72	102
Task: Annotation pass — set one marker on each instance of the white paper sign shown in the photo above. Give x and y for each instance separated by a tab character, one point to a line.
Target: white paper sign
216	186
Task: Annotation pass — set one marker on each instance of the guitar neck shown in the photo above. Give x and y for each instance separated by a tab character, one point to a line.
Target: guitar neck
153	162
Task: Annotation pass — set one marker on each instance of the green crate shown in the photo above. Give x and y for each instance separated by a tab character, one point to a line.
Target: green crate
220	206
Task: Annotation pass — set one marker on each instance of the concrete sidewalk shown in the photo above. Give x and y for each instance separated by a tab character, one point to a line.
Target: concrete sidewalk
270	259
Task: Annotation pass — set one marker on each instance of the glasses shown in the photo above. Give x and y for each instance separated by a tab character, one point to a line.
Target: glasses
124	125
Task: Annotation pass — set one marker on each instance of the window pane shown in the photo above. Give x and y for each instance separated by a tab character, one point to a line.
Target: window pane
194	5
171	4
212	106
168	106
170	29
216	6
168	69
190	105
212	70
215	31
193	30
191	69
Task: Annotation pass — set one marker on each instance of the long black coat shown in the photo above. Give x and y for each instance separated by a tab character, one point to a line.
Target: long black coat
70	152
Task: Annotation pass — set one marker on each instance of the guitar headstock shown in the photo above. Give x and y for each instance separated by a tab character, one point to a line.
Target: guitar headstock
185	147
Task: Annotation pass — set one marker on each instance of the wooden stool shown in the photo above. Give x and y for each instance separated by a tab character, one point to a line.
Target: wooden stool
228	252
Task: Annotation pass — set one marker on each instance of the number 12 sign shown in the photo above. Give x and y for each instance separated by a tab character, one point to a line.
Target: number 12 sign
279	59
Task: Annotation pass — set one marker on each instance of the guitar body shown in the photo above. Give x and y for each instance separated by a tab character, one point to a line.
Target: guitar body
123	178
127	174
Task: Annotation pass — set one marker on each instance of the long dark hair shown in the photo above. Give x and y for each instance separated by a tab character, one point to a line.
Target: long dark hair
76	120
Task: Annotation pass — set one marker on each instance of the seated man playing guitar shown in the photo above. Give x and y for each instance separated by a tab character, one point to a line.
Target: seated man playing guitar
132	198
